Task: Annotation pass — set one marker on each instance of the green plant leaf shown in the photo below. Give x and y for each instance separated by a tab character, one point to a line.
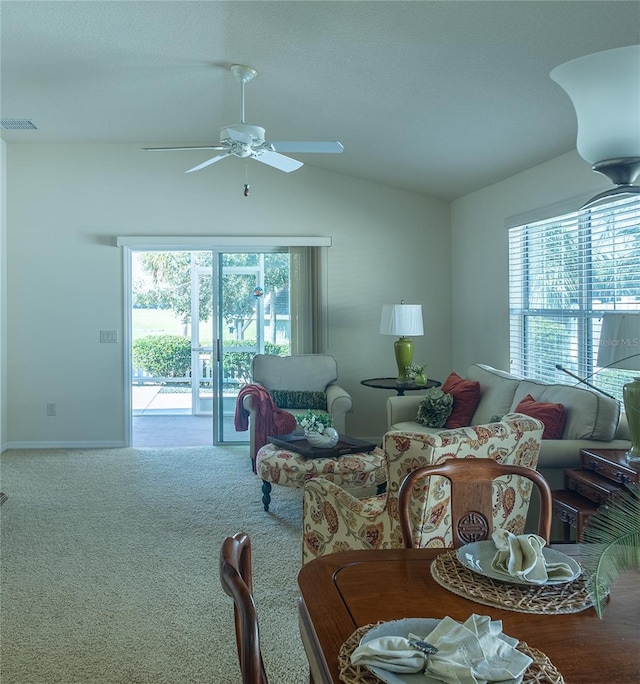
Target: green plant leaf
611	543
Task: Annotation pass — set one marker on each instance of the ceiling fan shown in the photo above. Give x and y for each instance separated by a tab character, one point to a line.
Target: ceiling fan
246	140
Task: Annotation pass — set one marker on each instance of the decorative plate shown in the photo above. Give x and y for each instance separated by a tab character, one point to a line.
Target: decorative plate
477	556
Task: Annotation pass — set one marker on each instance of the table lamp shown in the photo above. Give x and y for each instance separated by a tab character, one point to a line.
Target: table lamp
404	320
620	348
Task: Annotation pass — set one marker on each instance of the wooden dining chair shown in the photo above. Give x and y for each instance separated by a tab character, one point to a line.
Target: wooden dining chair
472	497
237	582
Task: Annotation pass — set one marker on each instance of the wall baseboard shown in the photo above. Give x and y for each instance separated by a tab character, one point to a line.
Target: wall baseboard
63	445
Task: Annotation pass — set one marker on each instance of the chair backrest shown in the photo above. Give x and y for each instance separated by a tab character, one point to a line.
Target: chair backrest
237	582
471	497
515	440
298	373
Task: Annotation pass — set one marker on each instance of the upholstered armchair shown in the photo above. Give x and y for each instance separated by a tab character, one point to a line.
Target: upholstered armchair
334	520
295	384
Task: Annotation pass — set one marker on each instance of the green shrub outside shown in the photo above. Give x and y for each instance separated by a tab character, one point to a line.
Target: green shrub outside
169	356
163	356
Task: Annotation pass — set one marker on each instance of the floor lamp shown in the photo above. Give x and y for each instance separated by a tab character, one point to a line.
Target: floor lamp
404	320
620	348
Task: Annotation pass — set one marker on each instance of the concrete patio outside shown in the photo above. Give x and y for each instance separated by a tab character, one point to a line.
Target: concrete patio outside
165	419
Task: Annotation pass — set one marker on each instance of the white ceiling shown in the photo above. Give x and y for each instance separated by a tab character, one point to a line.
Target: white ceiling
441	98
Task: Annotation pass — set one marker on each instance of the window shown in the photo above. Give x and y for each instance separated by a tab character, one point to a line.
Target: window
564	273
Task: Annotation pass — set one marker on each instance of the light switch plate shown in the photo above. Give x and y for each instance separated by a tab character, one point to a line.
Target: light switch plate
108	336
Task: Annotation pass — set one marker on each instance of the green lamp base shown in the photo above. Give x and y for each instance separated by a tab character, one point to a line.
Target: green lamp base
404	356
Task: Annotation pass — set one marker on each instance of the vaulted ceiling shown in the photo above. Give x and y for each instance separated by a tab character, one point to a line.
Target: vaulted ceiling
441	98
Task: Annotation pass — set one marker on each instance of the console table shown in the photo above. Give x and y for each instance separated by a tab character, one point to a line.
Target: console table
399	387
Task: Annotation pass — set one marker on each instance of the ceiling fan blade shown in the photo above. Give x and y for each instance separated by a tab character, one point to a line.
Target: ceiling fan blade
213	160
291	146
164	149
278	161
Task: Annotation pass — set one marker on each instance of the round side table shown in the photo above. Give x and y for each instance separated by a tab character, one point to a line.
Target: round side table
399	387
279	466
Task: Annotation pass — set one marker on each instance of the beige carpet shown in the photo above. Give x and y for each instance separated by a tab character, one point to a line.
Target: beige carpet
110	567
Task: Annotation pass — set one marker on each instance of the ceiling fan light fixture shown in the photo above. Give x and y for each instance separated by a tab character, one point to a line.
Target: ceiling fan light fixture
243	133
604	88
622	173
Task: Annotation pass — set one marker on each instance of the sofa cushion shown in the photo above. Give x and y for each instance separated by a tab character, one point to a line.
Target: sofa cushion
552	415
588	414
466	395
497	389
434	408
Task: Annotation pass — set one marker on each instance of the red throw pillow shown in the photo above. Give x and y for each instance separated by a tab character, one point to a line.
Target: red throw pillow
552	415
466	397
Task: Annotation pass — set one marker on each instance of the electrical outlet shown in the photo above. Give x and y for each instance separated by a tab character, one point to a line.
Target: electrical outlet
51	409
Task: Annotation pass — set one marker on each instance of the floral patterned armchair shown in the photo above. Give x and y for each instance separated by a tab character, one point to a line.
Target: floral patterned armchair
334	520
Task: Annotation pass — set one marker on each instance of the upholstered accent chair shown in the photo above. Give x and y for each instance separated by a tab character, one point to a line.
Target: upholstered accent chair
296	383
334	520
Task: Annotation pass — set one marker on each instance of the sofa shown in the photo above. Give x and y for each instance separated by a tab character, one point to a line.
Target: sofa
592	420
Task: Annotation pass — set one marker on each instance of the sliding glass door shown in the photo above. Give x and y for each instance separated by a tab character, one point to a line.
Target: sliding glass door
198	319
253	318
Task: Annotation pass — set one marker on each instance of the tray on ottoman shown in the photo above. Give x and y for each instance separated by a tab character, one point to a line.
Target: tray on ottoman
298	443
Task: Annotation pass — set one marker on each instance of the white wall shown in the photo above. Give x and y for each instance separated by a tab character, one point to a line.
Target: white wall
480	264
3	293
68	203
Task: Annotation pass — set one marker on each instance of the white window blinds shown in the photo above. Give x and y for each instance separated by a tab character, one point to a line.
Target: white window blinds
564	273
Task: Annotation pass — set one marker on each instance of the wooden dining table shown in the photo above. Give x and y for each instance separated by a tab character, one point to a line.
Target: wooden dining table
343	591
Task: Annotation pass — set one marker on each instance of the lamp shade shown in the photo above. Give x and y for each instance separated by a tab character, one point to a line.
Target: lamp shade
605	90
619	345
403	320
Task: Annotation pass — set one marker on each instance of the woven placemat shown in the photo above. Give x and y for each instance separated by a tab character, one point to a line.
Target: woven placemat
550	599
541	670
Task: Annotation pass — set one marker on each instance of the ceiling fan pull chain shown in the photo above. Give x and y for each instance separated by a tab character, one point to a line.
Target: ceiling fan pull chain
246	178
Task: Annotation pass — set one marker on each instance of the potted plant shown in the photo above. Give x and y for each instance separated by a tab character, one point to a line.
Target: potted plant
416	373
318	429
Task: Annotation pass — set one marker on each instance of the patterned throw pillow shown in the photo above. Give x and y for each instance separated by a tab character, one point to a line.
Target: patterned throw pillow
286	399
434	408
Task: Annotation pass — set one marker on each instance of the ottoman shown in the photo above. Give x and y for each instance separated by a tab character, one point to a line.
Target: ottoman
276	465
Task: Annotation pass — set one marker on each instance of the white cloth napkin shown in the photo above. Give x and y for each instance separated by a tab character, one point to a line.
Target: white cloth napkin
475	652
521	556
392	653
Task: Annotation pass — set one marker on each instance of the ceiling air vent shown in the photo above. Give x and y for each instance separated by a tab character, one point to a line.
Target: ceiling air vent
17	125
